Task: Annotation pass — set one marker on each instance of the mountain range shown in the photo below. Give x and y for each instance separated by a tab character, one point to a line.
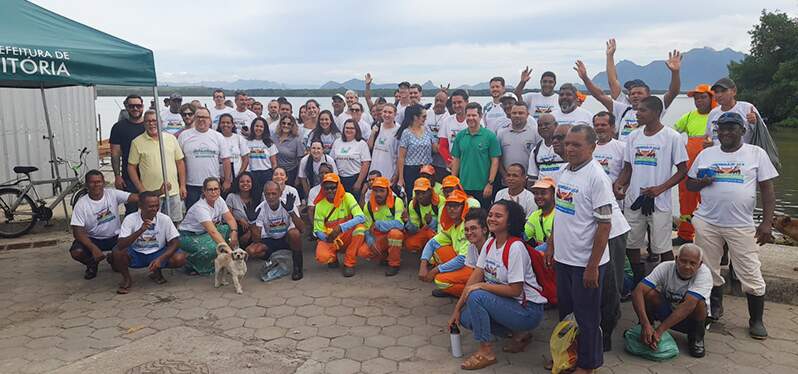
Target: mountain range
699	65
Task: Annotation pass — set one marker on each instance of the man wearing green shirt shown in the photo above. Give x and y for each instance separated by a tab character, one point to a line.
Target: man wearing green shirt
694	123
476	153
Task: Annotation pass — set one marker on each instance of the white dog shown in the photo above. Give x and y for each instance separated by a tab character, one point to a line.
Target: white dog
230	261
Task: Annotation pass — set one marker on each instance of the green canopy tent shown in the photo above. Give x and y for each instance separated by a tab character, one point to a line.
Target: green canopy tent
41	49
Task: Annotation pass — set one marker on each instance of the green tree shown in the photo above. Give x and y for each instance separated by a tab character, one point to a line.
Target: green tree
768	77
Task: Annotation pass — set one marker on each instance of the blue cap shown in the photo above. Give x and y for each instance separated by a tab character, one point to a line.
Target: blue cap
731	117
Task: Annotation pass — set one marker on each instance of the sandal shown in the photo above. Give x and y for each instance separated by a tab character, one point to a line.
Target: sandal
477	361
157	278
122	290
91	272
517	346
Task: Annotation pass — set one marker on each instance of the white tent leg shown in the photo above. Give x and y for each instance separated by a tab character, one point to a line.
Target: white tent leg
160	147
53	165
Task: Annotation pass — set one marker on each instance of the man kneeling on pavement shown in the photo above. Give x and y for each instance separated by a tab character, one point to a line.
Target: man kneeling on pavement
148	238
676	293
384	223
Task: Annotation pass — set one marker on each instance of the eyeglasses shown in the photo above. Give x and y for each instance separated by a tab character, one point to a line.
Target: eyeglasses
135	106
187	114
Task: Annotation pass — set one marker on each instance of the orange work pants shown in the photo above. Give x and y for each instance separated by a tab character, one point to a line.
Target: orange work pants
390	242
452	282
352	241
416	242
688	200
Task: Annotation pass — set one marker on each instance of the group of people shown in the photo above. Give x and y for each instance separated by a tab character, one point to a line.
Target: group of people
478	191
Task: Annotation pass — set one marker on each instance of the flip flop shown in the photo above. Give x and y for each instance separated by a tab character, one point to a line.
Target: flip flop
477	361
122	290
517	346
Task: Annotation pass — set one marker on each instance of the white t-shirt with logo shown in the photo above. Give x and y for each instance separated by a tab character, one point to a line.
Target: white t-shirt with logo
100	218
493	116
274	224
204	151
245	118
666	280
349	156
386	151
610	157
579	193
155	237
731	198
260	155
237	145
550	162
216	113
449	129
742	108
652	159
579	116
525	199
171	122
539	104
518	269
202	212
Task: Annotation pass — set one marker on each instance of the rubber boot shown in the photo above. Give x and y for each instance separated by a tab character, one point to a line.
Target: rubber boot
695	339
756	308
297	261
716	303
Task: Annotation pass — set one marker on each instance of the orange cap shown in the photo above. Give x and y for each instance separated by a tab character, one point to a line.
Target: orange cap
428	169
457	196
545	182
381	182
580	96
331	177
701	88
451	181
421	184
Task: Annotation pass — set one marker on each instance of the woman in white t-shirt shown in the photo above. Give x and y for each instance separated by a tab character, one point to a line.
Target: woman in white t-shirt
207	223
383	144
281	179
239	151
326	132
352	157
308	117
309	175
500	297
262	154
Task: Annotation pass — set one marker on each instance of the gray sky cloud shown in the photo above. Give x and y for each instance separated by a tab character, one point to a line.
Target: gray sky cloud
462	42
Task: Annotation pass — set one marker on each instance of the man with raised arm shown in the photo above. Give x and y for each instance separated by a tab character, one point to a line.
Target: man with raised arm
541	102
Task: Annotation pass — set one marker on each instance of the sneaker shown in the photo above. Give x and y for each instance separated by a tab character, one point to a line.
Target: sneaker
439	293
91	271
391	271
349	271
679	241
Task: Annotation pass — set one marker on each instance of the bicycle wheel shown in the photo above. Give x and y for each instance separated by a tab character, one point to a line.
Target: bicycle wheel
19	221
77	195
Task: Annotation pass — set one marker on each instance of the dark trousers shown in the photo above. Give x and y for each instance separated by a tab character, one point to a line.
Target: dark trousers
259	179
410	173
292	181
483	202
349	184
130	187
194	193
610	295
585	304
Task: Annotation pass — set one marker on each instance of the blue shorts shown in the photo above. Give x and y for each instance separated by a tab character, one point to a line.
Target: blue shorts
140	260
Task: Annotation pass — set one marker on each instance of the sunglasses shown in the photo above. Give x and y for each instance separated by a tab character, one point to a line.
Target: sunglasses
135	106
186	114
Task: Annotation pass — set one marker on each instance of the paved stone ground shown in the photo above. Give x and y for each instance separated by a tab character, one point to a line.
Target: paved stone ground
51	320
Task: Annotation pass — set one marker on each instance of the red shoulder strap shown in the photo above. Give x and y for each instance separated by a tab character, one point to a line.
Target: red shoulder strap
490	244
506	254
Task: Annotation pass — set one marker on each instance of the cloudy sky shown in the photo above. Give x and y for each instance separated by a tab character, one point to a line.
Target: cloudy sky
303	42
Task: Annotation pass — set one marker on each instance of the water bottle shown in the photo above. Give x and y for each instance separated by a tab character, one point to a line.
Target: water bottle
454	338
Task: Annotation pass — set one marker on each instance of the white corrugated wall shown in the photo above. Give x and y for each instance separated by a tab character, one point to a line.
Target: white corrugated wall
23	128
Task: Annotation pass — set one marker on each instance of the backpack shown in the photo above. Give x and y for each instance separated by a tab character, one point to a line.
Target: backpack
546	277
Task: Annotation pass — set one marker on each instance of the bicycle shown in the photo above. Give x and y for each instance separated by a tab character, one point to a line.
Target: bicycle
21	212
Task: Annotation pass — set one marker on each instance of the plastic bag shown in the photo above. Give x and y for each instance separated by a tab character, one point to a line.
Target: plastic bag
277	266
563	345
761	137
666	349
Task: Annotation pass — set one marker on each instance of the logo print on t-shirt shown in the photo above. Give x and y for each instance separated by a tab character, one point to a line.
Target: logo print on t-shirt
564	201
277	226
105	215
646	155
728	172
345	151
149	239
257	152
204	152
604	162
629	126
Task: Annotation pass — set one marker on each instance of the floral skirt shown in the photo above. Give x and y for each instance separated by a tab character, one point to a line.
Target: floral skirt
201	249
